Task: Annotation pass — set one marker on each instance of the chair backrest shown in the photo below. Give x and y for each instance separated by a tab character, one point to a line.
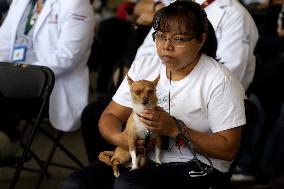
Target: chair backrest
24	92
24	87
247	131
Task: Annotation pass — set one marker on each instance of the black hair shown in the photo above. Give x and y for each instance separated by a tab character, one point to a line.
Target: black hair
187	17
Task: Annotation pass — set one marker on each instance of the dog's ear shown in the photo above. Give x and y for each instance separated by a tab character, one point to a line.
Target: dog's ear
130	81
155	82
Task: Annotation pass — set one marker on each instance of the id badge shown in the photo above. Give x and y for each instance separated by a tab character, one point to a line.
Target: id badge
19	53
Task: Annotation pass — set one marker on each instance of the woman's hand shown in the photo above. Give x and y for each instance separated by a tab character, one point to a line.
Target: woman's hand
122	137
123	140
159	121
140	147
145	18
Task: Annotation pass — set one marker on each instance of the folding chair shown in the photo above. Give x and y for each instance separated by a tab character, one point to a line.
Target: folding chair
25	90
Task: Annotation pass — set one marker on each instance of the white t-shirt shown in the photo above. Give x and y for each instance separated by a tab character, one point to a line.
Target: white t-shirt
210	99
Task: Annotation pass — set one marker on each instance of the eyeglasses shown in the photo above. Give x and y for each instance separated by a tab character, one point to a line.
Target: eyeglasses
176	41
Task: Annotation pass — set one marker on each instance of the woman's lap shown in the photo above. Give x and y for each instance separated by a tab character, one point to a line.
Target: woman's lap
163	176
100	175
96	175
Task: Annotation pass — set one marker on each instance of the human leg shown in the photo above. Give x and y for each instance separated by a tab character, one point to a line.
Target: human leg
111	48
94	142
95	176
8	125
265	88
272	161
169	175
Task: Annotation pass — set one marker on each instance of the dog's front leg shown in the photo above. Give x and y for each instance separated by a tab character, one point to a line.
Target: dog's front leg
132	151
158	144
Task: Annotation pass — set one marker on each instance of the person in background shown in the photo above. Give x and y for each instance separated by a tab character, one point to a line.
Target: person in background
260	152
199	100
57	34
129	36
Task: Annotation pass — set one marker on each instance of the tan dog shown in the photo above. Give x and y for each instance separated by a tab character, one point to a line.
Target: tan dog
143	95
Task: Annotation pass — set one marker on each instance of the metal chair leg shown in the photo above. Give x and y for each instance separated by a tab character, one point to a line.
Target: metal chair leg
63	148
56	143
46	164
21	161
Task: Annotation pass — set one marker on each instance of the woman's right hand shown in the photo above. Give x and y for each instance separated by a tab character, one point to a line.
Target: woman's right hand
122	140
140	151
145	18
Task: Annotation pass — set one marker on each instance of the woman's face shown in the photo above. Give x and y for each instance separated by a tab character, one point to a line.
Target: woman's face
178	50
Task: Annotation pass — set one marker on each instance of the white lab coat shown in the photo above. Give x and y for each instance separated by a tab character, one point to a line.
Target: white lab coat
236	34
62	41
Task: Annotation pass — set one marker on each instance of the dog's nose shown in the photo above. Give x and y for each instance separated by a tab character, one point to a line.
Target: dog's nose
145	100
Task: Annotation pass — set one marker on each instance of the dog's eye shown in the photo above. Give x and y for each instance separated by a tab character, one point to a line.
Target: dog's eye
137	92
150	91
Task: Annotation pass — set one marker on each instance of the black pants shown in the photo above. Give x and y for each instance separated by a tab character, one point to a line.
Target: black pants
171	175
94	142
266	86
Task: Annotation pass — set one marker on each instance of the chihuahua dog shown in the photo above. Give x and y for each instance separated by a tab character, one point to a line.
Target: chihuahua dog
143	93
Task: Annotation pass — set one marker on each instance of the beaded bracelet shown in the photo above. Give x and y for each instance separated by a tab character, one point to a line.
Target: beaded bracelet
183	138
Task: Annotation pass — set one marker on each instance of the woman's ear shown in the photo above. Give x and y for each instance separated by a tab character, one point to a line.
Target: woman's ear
202	40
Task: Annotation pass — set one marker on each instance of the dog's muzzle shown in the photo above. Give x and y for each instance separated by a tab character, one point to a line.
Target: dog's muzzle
145	100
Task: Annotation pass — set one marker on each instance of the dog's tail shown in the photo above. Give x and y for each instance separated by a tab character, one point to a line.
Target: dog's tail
106	156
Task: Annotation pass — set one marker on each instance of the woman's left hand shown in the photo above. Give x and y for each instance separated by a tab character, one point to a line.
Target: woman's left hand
159	121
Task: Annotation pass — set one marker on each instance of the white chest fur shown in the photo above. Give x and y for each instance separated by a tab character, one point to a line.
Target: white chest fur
140	128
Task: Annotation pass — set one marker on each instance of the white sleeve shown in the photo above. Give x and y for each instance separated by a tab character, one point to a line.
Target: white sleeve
75	37
148	47
6	37
166	2
226	105
235	43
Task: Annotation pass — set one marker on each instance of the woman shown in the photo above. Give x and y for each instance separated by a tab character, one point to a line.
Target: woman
199	101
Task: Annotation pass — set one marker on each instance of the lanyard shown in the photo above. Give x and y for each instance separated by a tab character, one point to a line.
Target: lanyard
33	15
206	3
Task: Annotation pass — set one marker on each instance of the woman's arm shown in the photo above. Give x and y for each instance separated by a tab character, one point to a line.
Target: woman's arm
221	145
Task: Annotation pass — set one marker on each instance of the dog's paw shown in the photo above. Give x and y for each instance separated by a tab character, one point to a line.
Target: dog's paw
158	161
116	173
134	167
